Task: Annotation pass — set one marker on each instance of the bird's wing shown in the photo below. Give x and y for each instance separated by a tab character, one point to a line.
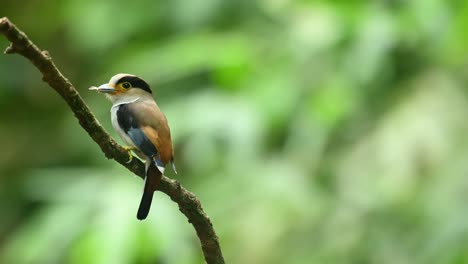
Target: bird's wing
147	126
131	126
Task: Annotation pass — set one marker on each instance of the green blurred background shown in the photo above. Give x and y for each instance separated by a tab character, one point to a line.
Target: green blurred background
311	131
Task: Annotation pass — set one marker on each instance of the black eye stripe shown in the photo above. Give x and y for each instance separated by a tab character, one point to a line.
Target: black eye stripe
126	85
135	82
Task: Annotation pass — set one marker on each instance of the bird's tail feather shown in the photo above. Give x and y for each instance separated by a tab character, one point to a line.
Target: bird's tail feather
152	180
173	166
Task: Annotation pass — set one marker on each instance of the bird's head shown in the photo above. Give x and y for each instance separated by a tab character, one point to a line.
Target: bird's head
124	86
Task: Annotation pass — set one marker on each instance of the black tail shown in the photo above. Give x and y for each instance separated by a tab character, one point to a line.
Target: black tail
153	177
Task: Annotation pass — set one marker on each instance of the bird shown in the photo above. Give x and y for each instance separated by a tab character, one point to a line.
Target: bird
141	125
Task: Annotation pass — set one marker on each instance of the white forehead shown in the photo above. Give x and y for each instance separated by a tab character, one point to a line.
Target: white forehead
117	77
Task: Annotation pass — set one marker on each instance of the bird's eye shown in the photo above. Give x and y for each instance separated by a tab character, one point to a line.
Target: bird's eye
126	85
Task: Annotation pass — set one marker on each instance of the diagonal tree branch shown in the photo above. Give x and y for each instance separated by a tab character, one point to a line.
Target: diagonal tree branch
188	203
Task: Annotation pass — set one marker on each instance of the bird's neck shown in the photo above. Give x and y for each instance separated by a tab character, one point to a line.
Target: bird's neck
118	100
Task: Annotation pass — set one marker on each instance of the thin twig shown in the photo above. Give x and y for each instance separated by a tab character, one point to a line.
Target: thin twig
188	203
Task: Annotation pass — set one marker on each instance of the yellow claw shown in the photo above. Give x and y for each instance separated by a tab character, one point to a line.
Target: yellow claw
129	150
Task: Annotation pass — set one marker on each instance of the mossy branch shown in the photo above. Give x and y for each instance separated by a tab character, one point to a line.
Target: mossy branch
188	203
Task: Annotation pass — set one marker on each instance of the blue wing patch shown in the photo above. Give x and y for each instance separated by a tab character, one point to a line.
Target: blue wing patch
142	142
145	146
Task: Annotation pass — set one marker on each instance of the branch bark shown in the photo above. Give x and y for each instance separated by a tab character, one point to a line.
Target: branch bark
188	203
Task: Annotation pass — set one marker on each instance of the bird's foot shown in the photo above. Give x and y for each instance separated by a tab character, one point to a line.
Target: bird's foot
129	150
